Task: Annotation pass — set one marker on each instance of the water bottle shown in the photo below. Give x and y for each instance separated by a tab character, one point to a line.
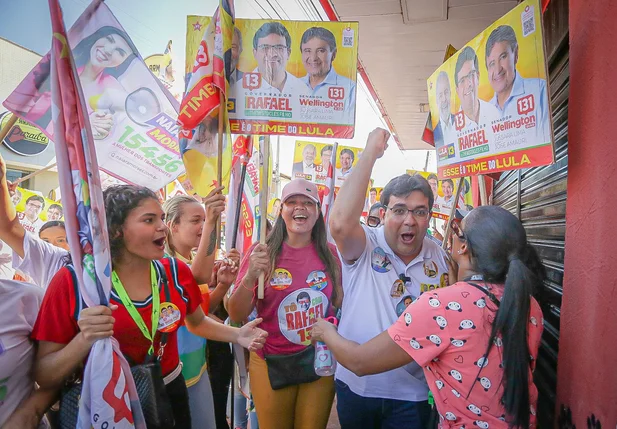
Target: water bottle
325	364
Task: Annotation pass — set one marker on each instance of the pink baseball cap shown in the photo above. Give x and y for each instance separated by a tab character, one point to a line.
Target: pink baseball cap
300	187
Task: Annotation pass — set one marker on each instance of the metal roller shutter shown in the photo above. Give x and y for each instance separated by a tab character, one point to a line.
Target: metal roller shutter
538	197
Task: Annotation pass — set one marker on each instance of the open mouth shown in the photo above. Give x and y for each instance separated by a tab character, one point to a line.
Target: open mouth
160	243
407	237
300	218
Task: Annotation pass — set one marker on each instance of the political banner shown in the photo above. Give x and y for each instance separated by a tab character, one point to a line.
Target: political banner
163	67
312	160
286	77
443	194
489	102
373	196
131	115
34	210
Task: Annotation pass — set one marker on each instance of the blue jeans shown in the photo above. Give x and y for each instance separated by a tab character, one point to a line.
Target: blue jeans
359	412
242	415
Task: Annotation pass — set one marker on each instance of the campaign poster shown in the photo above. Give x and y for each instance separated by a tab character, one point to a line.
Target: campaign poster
373	196
299	310
132	116
489	102
444	192
346	159
312	160
34	210
295	78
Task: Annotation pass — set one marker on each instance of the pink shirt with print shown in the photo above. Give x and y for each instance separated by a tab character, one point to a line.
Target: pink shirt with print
299	293
447	333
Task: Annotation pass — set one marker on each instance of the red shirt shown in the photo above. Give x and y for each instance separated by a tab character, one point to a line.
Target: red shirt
298	294
447	333
57	321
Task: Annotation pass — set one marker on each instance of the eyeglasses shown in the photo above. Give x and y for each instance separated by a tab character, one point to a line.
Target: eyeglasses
373	221
279	49
466	79
400	212
455	224
36	206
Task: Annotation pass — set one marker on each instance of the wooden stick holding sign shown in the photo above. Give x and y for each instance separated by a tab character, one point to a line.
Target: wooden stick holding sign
457	195
34	173
263	203
5	130
482	186
219	163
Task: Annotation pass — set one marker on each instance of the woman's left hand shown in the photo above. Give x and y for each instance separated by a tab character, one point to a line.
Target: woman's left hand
251	337
320	328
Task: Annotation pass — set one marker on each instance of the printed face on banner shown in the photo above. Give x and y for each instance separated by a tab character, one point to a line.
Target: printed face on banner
312	161
132	116
489	102
289	77
299	311
443	194
34	210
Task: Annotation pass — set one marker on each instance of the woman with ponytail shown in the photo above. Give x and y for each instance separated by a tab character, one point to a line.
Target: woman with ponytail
478	339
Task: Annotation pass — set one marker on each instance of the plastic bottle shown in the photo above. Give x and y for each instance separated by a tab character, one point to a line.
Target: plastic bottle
325	364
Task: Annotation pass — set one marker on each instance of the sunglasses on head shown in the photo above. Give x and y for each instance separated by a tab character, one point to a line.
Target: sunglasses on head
455	224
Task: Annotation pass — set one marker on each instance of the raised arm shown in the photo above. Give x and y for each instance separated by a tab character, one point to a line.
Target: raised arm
11	231
203	262
345	215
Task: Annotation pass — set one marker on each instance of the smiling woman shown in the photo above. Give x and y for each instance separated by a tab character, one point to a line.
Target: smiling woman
143	285
303	275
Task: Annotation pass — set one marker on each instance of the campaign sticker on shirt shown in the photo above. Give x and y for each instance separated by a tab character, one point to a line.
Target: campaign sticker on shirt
316	280
380	262
169	319
426	287
299	311
398	289
431	270
444	280
403	304
281	279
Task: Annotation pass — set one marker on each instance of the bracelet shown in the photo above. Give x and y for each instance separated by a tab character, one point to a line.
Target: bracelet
247	288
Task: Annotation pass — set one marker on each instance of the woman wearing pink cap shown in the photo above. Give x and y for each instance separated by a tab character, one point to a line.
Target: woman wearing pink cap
286	391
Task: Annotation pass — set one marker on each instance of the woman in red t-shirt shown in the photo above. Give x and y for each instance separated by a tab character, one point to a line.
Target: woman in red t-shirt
135	222
303	283
477	339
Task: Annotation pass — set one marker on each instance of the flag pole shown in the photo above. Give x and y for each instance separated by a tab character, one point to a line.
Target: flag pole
482	186
5	130
457	195
239	195
263	205
34	173
219	163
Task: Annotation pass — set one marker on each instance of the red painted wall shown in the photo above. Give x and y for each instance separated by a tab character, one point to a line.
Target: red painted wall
587	363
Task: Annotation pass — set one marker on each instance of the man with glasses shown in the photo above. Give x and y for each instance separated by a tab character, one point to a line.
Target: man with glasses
29	219
271	49
375	215
476	114
383	270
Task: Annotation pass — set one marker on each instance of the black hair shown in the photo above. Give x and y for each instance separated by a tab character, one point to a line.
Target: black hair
372	189
467	54
503	33
326	148
36	198
303	295
450	181
271	28
120	200
51	224
375	206
403	185
81	53
320	33
500	252
350	153
56	207
432	176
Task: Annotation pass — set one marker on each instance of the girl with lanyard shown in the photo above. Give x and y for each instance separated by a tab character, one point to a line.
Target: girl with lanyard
189	228
150	296
477	339
303	283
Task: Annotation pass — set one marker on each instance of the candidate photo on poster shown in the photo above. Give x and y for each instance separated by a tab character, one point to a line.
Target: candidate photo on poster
477	112
306	168
318	49
502	53
444	132
347	159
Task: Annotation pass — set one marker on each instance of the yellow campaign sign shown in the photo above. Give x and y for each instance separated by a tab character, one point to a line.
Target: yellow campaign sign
34	210
489	102
312	160
443	193
293	78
